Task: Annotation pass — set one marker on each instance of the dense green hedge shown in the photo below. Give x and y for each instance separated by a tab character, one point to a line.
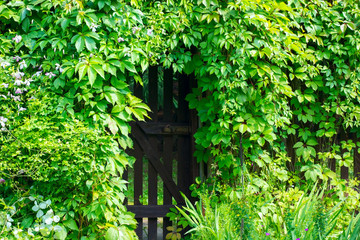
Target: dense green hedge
278	87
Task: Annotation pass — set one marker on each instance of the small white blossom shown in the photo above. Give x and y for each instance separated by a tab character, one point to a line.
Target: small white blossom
3	121
3	96
37	74
8	218
30	232
16	98
48	220
50	74
22	64
17	58
13	209
58	67
18	75
5	85
5	64
17	38
18	82
22	109
27	82
93	27
56	218
39	214
18	91
35	208
150	32
134	30
120	39
57	228
16	231
43	205
32	198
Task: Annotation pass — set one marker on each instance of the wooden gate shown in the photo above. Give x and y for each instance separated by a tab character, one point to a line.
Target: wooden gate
163	148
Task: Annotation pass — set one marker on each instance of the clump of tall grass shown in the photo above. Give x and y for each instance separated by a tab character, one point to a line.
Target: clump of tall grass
238	219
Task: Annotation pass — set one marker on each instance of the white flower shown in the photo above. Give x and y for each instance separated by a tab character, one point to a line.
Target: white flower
8	218
18	91
58	67
39	214
56	218
134	30
150	32
3	96
18	75
22	109
48	220
30	232
5	85
48	202
8	224
93	27
32	198
22	65
16	231
17	58
27	82
13	209
43	205
16	98
35	208
120	39
57	228
3	121
50	74
37	74
5	64
17	38
18	82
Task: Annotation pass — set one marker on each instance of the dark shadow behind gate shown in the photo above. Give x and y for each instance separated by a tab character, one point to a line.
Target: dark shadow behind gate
163	148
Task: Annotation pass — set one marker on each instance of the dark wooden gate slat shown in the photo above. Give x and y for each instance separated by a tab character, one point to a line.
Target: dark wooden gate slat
184	156
139	229
332	164
154	159
168	140
152	181
152	193
344	172
138	170
138	184
193	127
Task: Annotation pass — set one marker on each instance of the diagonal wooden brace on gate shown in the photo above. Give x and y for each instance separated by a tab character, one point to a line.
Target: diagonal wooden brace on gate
154	159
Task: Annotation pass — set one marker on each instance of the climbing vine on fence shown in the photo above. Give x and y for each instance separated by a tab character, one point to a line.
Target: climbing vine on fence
277	83
277	93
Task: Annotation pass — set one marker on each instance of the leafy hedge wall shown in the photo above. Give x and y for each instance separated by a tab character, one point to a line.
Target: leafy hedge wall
278	87
278	84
